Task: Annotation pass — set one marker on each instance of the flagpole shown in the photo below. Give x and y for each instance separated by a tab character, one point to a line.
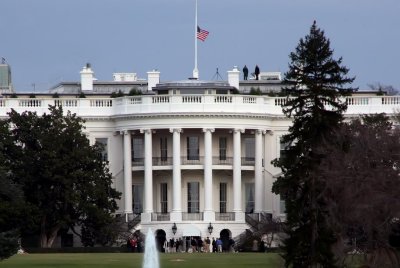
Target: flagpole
195	71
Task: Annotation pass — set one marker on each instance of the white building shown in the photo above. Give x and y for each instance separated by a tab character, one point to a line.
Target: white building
189	153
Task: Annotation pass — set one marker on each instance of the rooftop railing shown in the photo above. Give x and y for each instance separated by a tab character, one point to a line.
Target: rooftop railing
148	104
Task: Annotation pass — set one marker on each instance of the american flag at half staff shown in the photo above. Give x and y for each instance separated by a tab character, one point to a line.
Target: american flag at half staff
201	34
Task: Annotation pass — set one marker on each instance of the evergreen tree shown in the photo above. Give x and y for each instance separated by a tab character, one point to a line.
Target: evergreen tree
316	83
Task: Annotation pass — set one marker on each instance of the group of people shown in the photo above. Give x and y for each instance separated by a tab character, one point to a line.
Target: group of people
255	74
135	244
196	244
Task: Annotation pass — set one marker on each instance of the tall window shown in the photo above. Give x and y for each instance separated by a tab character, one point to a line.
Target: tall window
222	148
104	152
283	147
193	197
249	148
249	197
164	197
282	206
137	149
193	148
222	197
137	190
163	149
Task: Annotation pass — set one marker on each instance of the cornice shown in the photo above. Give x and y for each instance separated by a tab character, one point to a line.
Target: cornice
199	115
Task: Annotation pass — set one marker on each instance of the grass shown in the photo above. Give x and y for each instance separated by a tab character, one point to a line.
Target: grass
134	260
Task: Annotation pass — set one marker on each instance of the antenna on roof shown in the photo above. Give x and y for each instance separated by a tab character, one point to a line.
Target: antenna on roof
3	60
217	75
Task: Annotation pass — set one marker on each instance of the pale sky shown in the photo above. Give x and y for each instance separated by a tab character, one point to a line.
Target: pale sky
49	41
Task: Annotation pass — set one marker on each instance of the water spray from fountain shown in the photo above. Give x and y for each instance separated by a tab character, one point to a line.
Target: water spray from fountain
150	259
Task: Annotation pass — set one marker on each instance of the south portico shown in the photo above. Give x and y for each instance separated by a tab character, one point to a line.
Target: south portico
208	162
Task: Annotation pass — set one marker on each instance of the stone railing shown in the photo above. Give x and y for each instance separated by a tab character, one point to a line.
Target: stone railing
232	104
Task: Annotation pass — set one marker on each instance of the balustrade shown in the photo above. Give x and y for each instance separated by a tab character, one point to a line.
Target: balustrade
182	103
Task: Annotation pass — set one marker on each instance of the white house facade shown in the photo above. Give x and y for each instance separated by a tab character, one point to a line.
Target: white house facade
187	154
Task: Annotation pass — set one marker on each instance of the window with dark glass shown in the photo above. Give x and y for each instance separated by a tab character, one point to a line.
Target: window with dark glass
193	148
222	197
283	148
193	197
137	149
163	149
222	148
137	196
249	148
249	197
104	152
164	197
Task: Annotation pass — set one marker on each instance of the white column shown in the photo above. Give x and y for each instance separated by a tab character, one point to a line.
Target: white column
176	213
209	214
127	172
148	175
237	175
258	175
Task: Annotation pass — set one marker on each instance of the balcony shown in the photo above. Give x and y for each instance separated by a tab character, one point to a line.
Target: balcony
162	161
216	160
199	160
227	161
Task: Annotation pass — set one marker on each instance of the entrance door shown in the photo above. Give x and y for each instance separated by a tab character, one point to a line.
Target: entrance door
160	239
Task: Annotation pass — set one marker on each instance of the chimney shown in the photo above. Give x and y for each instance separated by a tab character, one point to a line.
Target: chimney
87	78
233	77
153	78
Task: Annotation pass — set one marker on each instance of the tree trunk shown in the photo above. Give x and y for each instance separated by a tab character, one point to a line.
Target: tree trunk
47	236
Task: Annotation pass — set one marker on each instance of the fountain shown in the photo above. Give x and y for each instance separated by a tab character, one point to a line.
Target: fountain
150	259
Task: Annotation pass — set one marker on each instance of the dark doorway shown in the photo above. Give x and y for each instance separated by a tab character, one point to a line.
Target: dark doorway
160	239
225	235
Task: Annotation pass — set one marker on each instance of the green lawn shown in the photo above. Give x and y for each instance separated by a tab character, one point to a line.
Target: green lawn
131	260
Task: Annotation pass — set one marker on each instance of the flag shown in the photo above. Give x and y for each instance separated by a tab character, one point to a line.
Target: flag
201	34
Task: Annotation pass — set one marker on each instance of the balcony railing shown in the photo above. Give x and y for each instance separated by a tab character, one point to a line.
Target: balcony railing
227	216
248	161
168	161
137	162
158	216
185	160
224	161
192	216
162	161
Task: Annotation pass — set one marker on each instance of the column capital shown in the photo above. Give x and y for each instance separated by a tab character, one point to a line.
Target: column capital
146	131
270	132
178	130
212	130
261	131
125	132
236	130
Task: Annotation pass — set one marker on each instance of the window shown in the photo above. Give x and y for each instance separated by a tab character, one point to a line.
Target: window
222	197
222	148
137	190
249	148
137	149
249	197
282	206
104	153
163	149
164	197
193	197
193	148
283	148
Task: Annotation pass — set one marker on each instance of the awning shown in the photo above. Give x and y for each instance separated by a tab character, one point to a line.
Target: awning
191	230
